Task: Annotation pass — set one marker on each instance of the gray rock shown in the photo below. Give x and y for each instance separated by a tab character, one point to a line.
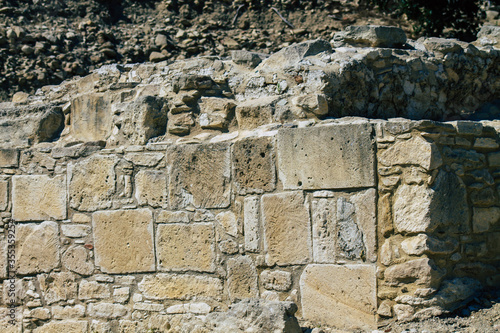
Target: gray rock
294	53
370	35
250	59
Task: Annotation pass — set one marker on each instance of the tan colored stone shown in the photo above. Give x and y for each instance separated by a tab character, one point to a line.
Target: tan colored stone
343	296
37	247
181	247
10	324
229	222
77	259
423	243
68	312
9	158
256	112
315	103
215	112
287	228
182	287
93	290
416	151
75	230
144	159
196	308
67	326
404	312
38	198
3	257
106	310
57	287
242	278
253	165
151	188
422	272
484	218
37	313
4	194
92	183
335	156
123	241
276	280
251	229
121	295
81	218
199	175
166	216
91	117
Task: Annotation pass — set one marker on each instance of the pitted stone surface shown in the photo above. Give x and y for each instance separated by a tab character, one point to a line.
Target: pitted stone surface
327	157
123	241
4	194
69	326
251	228
242	281
151	188
38	198
9	158
57	287
183	287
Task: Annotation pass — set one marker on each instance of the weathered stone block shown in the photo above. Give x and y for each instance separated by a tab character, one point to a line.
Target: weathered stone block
37	247
3	258
215	112
484	218
75	230
421	272
92	183
415	151
91	117
69	326
287	228
229	222
38	198
199	175
172	286
166	216
253	165
144	159
276	280
251	225
93	290
77	259
182	247
370	35
335	156
151	188
57	287
256	112
123	241
294	53
9	158
242	278
423	243
106	310
4	194
343	296
68	312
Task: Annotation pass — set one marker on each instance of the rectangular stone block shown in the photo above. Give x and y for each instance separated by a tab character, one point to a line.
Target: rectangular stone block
9	158
70	326
286	228
57	287
182	247
342	296
242	278
344	226
4	195
151	188
38	198
182	287
91	117
123	241
199	175
327	157
3	257
251	225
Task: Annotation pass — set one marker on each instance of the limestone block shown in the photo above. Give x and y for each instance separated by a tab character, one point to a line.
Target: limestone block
37	313
294	53
423	243
256	112
57	287
91	117
92	183
370	36
180	124
3	257
144	159
242	278
183	287
276	280
196	308
154	307
151	188
77	259
229	222
416	151
123	241
4	194
93	290
173	217
67	326
75	230
343	296
106	310
344	226
253	165
181	247
422	272
215	112
404	312
315	103
287	228
9	158
68	312
37	247
199	175
335	156
484	218
121	295
251	225
37	198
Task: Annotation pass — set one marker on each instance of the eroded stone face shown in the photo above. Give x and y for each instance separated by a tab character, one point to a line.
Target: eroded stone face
242	278
276	280
181	247
287	228
123	241
77	259
151	188
4	194
57	287
251	218
183	287
38	198
343	296
200	175
73	326
328	157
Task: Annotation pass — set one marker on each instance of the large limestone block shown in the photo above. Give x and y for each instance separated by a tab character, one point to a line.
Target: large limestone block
4	194
328	157
181	247
215	112
67	326
242	278
123	241
37	198
200	175
256	112
91	117
37	247
57	287
343	296
287	228
344	226
253	165
92	183
371	36
151	188
182	287
422	272
415	151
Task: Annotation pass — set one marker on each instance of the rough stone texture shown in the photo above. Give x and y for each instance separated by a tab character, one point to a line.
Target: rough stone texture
91	117
37	247
106	310
144	159
423	243
69	326
229	222
93	290
182	287
256	112
77	259
276	280
485	218
57	287
335	156
421	272
151	188
294	53
4	194
68	312
199	175
75	230
253	165
123	241
250	59
9	158
181	247
251	228
242	279
343	296
371	36
38	198
287	228
215	112
92	183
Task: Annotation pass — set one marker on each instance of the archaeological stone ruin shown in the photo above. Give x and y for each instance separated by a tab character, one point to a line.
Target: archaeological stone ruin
340	184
